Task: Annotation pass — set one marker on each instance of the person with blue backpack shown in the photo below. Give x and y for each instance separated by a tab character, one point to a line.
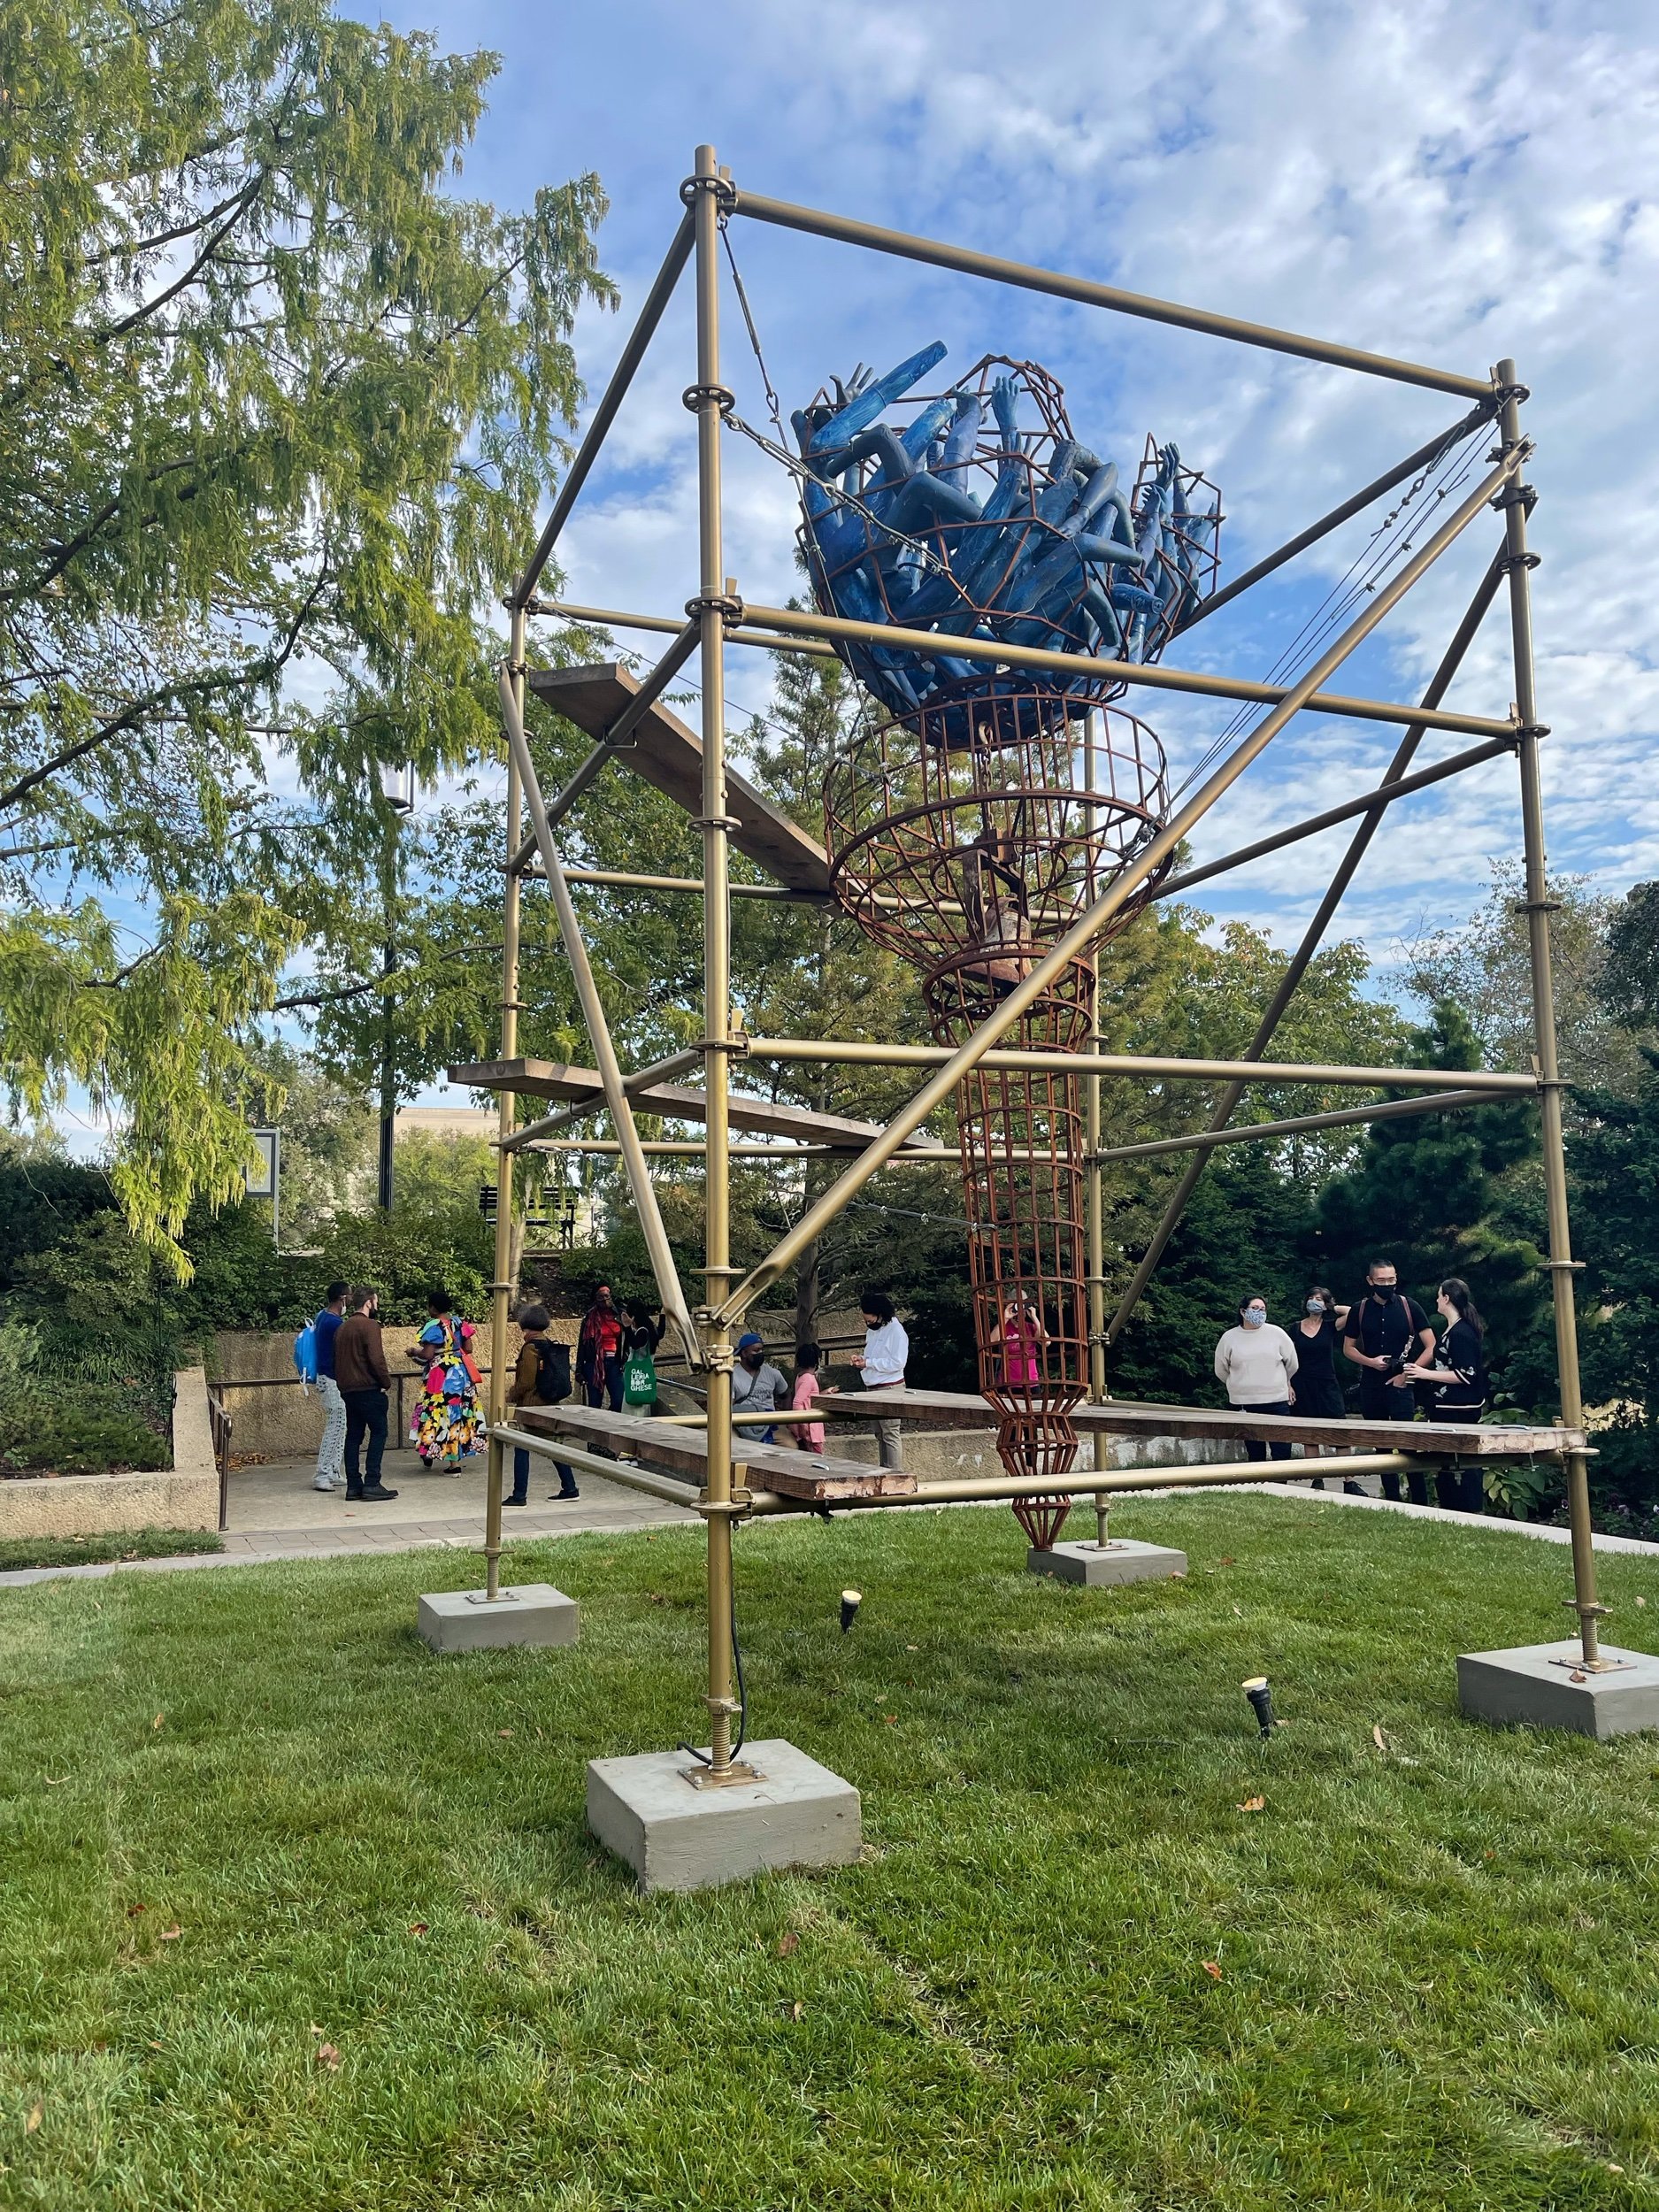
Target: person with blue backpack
314	1360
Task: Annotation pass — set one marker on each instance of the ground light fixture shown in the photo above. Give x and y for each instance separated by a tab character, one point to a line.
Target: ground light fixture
851	1600
1261	1702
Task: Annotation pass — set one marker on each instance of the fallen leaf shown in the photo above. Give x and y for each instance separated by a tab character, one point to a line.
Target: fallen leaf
328	2057
1611	2168
171	1935
133	1911
504	1731
1640	1601
1378	1739
1212	1967
1254	1805
917	1647
892	1719
788	1945
154	2046
34	2120
156	1722
1576	1676
418	1927
52	1780
795	2010
1238	1609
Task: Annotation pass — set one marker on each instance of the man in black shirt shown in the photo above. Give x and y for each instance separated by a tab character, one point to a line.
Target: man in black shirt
1384	1330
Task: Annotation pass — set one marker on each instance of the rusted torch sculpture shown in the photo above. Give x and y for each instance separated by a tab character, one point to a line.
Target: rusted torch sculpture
971	824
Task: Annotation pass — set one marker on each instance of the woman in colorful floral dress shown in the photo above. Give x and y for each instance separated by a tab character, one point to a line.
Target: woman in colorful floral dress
447	1424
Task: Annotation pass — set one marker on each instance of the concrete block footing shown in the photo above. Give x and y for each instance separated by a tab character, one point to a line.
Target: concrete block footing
1123	1561
528	1613
1530	1684
676	1836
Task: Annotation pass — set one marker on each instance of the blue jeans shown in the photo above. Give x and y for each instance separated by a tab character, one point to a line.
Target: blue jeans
610	1387
521	1478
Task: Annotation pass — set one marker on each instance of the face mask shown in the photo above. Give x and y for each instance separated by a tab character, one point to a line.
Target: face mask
1316	1305
1387	1292
1253	1320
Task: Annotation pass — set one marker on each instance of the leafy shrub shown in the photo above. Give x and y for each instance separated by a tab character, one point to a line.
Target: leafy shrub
41	1430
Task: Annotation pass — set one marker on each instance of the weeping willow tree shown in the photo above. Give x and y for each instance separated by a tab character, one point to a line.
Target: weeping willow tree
276	402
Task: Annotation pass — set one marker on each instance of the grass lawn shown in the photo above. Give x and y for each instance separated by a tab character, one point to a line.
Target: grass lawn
295	1917
87	1551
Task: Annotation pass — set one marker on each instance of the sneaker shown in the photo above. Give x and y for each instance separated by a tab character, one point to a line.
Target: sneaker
571	1492
324	1482
378	1494
515	1501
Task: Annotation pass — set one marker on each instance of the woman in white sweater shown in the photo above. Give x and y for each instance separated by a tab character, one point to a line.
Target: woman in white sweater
1256	1361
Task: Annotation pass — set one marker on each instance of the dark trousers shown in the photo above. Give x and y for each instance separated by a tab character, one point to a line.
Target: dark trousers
365	1416
1461	1489
1381	1401
608	1386
521	1480
1260	1451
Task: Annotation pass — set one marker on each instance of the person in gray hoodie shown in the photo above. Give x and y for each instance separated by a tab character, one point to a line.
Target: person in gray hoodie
1258	1361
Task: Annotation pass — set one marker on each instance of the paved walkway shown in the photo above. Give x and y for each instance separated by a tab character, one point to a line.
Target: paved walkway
275	1514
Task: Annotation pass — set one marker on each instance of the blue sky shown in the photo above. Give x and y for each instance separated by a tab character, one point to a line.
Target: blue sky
1450	184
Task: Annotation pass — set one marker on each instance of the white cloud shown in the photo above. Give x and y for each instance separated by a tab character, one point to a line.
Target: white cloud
1444	183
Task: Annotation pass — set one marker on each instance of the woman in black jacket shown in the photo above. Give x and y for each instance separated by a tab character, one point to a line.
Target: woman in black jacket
1459	1373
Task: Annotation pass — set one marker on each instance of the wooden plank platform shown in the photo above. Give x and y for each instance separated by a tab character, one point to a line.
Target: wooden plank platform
816	1478
665	753
1120	1417
762	1117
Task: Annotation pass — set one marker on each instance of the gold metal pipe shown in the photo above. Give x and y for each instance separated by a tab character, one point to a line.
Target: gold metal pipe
1312	937
1093	1191
1477	757
714	601
1083	934
572	1455
1537	906
621	880
1057	286
856	1052
502	1289
990	1489
656	1235
1256	1132
1151	675
599	429
1339	515
617	618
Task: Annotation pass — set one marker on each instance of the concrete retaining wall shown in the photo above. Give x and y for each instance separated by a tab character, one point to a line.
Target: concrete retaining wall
184	1496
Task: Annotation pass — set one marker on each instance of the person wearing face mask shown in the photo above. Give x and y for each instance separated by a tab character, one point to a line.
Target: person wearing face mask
1384	1331
1318	1393
1460	1373
1257	1361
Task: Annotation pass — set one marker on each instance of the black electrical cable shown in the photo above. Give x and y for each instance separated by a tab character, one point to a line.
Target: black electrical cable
743	1697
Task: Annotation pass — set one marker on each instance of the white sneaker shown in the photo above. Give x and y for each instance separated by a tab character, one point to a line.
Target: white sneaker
324	1482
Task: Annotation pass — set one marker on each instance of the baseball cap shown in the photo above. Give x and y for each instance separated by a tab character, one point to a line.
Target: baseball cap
743	1342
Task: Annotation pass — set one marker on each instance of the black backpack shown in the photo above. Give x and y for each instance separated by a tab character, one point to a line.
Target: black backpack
552	1371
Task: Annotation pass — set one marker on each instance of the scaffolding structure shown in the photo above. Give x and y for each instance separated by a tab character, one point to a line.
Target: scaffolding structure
730	1479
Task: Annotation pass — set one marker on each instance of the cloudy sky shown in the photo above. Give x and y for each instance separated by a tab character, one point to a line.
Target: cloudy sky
1450	184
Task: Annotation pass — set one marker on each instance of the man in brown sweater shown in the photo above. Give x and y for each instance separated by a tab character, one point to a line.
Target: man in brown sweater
364	1379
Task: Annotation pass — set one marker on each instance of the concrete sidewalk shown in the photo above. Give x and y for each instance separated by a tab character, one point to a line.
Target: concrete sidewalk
274	1514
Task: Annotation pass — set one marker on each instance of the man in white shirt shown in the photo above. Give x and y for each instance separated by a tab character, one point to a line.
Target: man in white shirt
887	1348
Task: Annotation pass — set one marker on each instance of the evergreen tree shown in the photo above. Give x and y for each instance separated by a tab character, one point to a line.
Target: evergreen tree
1428	1193
1615	1162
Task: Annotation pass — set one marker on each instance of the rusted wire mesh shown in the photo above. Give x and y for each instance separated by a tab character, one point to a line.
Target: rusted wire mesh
971	855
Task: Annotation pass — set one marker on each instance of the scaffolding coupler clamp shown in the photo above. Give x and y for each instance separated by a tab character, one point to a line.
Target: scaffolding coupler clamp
726	604
1522	496
736	1044
1508	563
722	186
696	396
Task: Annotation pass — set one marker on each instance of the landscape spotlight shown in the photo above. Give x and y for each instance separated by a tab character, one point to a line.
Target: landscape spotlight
1261	1702
851	1600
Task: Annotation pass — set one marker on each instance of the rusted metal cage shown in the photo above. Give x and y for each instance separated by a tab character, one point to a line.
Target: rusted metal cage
971	859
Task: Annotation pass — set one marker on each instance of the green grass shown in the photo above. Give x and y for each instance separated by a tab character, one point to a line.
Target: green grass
89	1551
1439	1959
